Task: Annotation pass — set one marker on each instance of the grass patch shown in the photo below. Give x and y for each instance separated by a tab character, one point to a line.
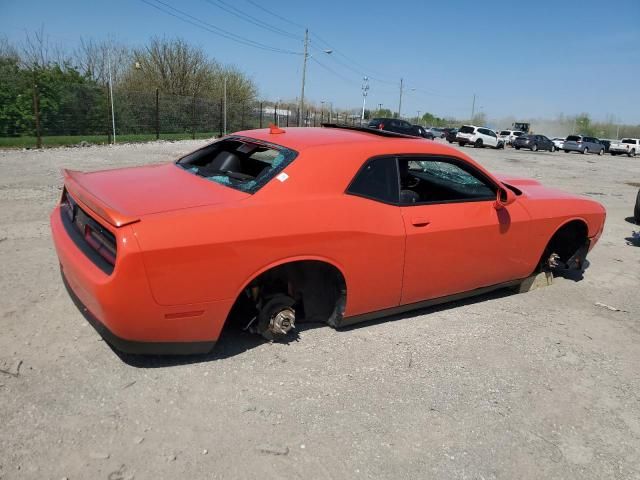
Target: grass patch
57	141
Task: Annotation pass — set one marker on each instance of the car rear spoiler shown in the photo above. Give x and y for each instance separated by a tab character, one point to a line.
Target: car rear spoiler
73	182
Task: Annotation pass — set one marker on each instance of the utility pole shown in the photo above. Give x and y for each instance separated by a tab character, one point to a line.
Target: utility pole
365	91
400	102
418	117
305	55
473	108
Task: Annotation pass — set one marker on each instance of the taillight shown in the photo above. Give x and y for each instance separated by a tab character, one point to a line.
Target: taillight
67	205
100	243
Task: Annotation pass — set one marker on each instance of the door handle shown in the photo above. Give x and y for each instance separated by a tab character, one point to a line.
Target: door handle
420	222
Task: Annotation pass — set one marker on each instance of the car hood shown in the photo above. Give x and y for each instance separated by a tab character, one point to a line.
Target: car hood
134	192
534	189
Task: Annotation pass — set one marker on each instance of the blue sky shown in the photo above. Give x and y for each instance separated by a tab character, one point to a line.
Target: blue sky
526	59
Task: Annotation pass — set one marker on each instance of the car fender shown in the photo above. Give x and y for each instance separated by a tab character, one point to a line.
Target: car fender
296	258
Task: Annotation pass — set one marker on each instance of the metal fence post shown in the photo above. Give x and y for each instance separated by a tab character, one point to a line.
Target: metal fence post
260	114
36	114
157	114
221	113
108	116
193	118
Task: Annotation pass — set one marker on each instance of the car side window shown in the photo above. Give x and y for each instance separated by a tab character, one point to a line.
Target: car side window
428	180
377	180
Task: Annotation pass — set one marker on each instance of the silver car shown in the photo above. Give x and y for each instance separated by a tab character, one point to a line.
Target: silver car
582	144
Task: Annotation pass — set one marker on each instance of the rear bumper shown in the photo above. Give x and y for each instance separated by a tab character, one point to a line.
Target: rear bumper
121	307
618	150
132	346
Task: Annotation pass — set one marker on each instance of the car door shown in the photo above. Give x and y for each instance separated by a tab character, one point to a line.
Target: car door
374	238
456	239
545	143
488	137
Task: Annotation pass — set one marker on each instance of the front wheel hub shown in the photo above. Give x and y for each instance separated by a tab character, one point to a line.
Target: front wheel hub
282	321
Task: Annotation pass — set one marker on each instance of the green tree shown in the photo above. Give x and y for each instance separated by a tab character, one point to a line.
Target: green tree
382	113
584	126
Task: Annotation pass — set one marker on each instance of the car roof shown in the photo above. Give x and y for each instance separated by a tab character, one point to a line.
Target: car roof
304	138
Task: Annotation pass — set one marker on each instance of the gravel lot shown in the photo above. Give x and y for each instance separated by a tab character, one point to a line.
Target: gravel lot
539	385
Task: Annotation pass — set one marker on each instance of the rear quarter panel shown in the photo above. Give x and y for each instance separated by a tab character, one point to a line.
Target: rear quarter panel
211	253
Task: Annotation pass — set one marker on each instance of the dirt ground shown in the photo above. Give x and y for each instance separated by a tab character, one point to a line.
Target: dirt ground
539	385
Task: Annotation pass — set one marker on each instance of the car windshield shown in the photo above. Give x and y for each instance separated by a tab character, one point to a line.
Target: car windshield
237	162
573	138
467	129
505	132
629	140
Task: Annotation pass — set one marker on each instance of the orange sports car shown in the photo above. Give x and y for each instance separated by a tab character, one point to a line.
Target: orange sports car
334	224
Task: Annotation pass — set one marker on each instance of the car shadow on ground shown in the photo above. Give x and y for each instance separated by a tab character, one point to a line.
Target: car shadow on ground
235	341
631	220
494	295
232	342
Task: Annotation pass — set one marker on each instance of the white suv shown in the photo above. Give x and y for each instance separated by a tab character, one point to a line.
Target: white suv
508	136
479	137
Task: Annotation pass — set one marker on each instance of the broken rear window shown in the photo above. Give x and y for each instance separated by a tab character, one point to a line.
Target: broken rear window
238	162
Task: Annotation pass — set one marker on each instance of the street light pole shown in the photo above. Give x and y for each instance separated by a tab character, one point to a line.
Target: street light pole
365	91
400	102
418	116
305	55
473	108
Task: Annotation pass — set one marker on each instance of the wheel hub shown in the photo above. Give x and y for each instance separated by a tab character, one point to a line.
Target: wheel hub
282	321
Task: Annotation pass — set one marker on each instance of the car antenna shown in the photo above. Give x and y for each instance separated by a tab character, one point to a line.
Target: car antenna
274	129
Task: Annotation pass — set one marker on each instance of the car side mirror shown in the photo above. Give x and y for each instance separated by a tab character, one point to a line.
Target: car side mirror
504	197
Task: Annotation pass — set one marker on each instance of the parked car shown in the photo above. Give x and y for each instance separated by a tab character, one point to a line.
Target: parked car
159	258
437	132
423	132
450	134
558	142
607	143
626	146
479	137
534	143
508	136
582	144
395	125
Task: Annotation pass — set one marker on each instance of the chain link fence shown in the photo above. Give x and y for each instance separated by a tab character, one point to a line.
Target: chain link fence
83	114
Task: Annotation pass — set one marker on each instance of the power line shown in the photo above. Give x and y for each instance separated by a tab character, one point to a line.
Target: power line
251	19
276	15
213	29
348	80
364	70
